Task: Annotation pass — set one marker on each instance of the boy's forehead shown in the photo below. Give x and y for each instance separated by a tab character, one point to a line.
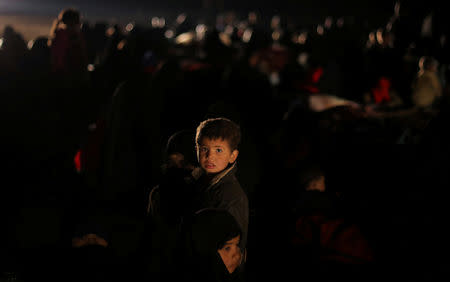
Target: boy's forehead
219	141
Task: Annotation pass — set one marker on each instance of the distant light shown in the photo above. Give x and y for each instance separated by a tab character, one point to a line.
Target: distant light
1	43
200	31
90	67
247	35
274	79
169	34
162	22
158	22
129	27
302	59
30	44
302	38
294	38
155	22
185	38
201	28
225	39
379	35
372	40
121	45
320	30
276	35
110	31
181	18
340	22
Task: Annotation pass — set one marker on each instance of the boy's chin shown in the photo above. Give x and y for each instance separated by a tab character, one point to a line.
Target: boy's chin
209	171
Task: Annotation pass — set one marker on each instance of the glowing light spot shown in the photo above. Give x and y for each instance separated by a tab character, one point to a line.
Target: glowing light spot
201	28
30	44
90	67
302	38
274	78
129	27
155	22
372	40
181	18
110	31
121	45
302	59
162	22
247	35
169	34
276	35
185	38
379	35
1	43
320	30
225	39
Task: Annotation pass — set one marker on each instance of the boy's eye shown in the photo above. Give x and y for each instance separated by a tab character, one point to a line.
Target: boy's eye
203	149
219	150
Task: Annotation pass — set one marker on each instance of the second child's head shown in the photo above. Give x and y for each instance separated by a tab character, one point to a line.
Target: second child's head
217	142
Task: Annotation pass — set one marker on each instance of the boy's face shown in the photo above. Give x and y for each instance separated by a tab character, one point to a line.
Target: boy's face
231	254
214	155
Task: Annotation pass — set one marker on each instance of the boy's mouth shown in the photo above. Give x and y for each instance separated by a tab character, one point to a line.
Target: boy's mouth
209	166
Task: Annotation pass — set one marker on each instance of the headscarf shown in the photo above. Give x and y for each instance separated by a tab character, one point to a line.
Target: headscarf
204	234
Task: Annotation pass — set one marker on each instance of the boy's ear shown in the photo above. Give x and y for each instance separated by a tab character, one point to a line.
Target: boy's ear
233	156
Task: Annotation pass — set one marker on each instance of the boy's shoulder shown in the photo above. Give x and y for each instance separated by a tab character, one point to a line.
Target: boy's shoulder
224	182
229	185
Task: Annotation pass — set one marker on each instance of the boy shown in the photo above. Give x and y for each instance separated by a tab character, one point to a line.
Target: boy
214	182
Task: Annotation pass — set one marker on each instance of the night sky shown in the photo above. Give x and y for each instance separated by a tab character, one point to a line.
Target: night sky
114	7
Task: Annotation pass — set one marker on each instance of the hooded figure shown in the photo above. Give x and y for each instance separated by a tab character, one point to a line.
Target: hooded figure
206	239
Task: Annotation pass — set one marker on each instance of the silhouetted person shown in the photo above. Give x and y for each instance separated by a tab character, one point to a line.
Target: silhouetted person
68	46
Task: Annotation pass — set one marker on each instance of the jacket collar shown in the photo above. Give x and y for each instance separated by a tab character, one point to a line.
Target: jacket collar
198	172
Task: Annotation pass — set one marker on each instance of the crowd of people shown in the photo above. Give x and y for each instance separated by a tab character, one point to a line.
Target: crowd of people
226	149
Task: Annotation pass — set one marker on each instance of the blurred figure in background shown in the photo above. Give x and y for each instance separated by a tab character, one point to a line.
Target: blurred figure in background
68	46
427	87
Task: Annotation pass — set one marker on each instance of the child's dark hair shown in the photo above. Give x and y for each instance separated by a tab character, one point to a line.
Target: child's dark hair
219	128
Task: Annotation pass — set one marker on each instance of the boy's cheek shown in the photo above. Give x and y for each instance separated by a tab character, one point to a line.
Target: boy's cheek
231	259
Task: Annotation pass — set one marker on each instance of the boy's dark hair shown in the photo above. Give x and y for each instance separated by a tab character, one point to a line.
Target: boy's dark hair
219	128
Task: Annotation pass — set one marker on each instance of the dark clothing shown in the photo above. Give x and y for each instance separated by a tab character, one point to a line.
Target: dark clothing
223	192
68	52
168	204
202	237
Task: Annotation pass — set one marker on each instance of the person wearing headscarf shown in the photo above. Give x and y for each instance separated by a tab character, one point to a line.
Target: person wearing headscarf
210	247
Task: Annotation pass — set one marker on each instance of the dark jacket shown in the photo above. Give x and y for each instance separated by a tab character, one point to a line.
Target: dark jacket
222	192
